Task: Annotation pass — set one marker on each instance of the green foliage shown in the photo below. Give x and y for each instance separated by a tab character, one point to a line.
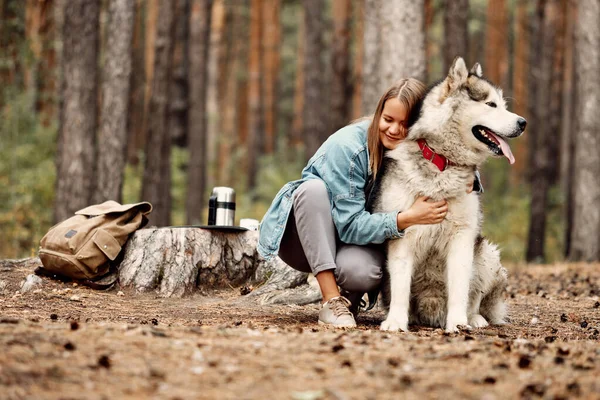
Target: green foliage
27	175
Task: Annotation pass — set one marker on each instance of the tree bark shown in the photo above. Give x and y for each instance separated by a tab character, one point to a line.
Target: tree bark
198	74
78	119
156	181
112	135
135	119
520	88
496	50
359	51
178	110
271	39
456	31
429	44
403	45
152	11
255	100
177	261
372	56
542	136
315	126
556	89
585	243
568	128
341	87
214	102
298	119
40	31
234	130
394	46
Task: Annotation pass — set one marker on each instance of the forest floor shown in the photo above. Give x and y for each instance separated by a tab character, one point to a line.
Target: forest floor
69	342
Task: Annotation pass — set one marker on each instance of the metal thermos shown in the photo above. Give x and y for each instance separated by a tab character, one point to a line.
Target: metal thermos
221	206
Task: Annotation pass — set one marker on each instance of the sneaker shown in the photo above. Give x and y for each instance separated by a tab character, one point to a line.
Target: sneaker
335	312
356	300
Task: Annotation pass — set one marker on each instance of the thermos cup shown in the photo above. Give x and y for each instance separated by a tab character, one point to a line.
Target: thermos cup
221	206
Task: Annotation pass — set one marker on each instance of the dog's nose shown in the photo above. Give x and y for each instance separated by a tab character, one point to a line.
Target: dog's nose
522	123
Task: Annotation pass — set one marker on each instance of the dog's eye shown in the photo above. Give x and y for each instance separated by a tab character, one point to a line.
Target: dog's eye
491	104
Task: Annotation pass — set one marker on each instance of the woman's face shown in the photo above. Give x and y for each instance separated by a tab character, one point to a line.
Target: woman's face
392	124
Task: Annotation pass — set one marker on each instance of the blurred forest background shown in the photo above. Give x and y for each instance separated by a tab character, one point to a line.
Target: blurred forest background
160	100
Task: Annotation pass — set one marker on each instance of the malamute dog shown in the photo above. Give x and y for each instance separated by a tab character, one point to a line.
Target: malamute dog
446	274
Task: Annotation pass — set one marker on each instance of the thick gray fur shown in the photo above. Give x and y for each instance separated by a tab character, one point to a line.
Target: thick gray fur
445	275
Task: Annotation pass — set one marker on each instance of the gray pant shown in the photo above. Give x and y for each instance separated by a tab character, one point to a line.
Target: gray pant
310	243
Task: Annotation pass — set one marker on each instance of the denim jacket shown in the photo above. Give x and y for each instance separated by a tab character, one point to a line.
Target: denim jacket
342	162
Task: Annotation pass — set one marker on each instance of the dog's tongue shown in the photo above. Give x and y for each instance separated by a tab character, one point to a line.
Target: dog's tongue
505	148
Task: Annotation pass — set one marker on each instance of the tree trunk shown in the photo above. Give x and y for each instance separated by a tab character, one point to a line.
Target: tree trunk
556	89
214	96
152	11
372	56
568	128
178	110
520	89
198	74
394	46
234	94
496	49
456	32
271	38
316	128
298	119
78	119
135	119
341	87
255	101
112	136
585	243
177	261
359	51
403	44
156	180
542	136
429	44
40	31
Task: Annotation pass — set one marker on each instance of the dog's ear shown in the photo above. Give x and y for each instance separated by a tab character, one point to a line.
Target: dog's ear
457	76
476	70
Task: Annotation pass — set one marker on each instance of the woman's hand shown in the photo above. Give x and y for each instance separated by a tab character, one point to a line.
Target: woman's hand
422	212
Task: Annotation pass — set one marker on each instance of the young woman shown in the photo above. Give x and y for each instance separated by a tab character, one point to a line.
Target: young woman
319	223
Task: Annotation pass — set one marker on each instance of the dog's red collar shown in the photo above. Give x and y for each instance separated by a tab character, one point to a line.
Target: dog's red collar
439	160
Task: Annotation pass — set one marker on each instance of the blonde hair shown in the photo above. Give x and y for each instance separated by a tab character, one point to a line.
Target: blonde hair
409	92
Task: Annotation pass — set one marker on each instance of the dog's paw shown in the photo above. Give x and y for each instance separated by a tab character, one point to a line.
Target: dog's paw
456	324
392	324
477	321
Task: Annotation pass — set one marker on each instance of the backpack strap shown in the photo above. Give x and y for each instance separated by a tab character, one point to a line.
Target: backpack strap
103	283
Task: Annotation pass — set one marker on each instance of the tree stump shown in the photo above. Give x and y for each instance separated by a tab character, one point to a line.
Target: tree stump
177	261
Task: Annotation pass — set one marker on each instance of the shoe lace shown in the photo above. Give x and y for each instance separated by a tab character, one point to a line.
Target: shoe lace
339	306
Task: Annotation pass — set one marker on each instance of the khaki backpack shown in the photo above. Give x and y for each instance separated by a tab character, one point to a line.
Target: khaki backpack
85	246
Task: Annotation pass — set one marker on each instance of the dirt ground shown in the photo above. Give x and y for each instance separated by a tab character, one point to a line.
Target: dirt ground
70	342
